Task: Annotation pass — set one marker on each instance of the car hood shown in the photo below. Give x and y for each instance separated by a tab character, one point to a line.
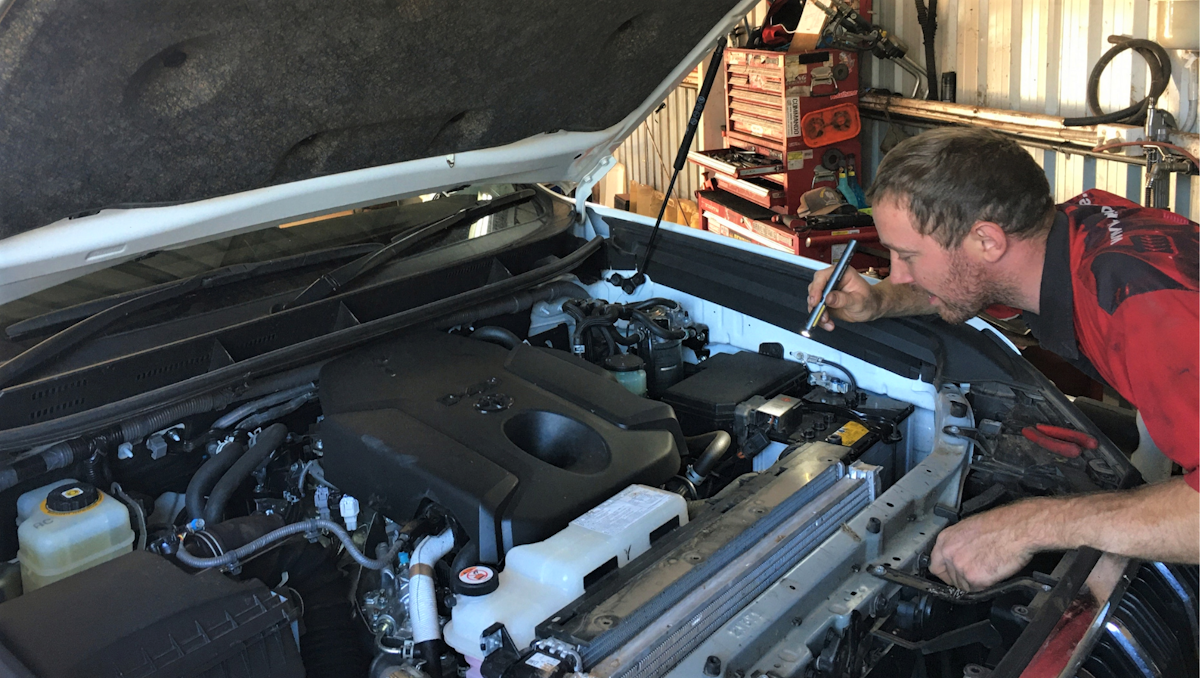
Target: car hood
148	124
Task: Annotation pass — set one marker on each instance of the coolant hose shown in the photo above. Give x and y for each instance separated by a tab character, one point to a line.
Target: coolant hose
208	475
422	598
497	335
264	446
234	416
305	526
716	444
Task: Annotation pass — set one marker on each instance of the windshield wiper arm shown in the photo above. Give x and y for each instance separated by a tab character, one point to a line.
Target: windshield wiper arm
94	317
61	318
336	280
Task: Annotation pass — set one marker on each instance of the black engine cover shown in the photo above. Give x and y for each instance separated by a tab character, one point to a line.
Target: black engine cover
514	444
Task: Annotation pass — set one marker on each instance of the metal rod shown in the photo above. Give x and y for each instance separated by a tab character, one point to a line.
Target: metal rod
839	269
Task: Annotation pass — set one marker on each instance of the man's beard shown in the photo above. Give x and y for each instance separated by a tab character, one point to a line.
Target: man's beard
973	292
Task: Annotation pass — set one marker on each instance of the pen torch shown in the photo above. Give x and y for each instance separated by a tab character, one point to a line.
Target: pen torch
839	270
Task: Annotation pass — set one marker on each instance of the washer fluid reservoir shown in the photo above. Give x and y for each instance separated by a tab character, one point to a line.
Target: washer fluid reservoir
75	527
540	579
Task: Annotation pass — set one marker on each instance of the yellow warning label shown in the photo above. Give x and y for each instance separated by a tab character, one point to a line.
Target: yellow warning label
72	493
851	432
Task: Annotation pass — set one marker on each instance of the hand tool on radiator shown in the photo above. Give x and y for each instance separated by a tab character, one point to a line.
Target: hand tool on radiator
839	270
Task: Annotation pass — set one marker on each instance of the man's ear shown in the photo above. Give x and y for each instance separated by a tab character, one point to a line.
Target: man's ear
987	241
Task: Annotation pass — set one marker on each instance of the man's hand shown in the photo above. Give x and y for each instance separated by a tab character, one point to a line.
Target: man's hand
852	301
984	549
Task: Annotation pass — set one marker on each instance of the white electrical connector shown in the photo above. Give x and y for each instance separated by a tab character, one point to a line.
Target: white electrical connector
321	500
348	507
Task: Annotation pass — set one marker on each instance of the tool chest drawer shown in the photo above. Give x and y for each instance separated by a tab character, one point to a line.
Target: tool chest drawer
736	163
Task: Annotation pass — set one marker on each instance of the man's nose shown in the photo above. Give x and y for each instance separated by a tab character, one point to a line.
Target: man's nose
900	273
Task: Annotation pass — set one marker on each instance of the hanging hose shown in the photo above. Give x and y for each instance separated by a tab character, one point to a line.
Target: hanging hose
927	18
1160	76
264	446
422	598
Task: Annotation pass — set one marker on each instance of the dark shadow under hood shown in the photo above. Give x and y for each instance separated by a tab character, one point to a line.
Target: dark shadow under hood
150	101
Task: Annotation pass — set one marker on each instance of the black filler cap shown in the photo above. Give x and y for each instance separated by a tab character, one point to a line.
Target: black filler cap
624	362
71	497
476	580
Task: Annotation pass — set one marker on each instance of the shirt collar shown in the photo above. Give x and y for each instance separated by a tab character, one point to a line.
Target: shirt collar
1054	327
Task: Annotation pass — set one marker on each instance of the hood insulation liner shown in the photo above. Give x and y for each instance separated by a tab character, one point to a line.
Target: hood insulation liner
108	104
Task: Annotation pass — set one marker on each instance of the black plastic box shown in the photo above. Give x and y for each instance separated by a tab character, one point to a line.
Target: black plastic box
141	616
706	400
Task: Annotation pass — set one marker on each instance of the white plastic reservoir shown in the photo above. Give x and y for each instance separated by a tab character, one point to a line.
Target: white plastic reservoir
540	579
73	527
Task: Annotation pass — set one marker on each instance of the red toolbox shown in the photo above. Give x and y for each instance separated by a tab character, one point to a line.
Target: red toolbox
768	96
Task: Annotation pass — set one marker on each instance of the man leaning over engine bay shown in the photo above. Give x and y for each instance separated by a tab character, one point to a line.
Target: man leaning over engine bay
1105	283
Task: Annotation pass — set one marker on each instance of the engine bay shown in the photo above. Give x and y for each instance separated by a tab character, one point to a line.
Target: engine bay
574	485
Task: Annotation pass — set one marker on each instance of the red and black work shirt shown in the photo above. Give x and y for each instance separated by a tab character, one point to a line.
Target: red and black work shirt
1120	300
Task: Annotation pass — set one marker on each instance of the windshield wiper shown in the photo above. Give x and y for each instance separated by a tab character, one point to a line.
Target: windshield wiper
337	279
59	319
94	317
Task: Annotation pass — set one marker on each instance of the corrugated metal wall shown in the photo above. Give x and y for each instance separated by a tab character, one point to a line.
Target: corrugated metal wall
1035	56
650	151
1027	55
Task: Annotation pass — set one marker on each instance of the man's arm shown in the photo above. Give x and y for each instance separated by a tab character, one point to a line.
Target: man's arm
855	300
1156	522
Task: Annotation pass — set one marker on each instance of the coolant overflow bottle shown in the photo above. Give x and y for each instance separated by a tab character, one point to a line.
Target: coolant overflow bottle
74	528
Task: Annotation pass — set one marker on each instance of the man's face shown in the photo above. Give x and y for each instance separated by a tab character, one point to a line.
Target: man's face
957	286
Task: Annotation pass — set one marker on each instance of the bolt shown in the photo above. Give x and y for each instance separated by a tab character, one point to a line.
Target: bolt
796	621
712	666
874	526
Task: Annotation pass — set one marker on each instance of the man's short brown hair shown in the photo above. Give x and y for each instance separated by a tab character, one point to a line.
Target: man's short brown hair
952	177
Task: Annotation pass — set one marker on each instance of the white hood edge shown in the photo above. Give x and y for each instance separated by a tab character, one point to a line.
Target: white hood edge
69	248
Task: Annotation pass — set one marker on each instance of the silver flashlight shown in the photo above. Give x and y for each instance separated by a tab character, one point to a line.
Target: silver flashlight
839	270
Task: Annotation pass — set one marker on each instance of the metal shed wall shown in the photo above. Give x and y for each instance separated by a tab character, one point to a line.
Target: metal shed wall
1035	56
1025	55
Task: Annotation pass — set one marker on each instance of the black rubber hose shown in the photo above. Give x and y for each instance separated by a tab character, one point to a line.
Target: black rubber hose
620	338
927	18
716	445
467	556
516	303
264	446
497	335
655	301
1160	76
431	652
208	475
656	329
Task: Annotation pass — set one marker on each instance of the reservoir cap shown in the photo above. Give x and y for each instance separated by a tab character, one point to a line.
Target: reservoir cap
623	362
71	497
476	580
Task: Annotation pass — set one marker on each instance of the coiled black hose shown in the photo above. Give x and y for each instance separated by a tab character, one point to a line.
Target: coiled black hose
1160	76
264	446
208	475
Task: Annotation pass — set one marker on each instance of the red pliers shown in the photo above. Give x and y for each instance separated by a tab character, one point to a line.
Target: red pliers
1063	441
